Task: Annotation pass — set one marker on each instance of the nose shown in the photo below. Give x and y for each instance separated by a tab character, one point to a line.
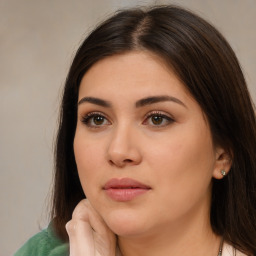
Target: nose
123	149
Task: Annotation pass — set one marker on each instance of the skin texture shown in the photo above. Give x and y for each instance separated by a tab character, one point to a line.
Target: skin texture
176	158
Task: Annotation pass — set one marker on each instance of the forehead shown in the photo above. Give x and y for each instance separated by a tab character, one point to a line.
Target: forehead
133	73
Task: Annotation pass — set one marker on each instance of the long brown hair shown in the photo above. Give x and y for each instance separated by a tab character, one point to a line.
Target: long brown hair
208	67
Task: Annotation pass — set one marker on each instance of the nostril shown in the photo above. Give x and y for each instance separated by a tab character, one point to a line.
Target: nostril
121	163
111	162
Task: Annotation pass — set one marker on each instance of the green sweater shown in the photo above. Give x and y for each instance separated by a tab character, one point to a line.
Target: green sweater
45	243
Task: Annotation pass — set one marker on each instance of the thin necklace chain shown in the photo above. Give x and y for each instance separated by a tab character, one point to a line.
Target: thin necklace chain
219	253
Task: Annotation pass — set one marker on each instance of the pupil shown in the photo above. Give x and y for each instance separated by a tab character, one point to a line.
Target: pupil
157	119
98	120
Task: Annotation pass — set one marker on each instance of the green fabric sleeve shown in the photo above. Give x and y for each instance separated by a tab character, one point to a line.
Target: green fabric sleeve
45	243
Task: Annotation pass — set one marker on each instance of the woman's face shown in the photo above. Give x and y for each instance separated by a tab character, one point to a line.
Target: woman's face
143	147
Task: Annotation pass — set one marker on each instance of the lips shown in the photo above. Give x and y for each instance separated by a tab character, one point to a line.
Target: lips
124	189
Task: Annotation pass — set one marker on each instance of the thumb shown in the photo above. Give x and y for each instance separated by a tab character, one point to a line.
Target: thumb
88	233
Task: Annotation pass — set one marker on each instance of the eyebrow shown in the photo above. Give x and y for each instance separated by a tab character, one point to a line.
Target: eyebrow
95	101
156	99
140	103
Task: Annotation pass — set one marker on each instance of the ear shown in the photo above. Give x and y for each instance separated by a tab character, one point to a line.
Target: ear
223	163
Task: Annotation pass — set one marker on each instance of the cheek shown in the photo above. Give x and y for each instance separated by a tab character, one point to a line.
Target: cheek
181	154
183	165
88	161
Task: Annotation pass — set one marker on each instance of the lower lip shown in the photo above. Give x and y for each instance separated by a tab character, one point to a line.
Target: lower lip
125	194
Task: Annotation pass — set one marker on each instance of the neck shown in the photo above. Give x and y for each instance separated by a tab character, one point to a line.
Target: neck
187	237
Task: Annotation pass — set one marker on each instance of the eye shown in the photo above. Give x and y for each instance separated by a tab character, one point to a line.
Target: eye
95	120
158	119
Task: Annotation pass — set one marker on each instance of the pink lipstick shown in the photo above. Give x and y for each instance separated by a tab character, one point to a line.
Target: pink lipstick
124	189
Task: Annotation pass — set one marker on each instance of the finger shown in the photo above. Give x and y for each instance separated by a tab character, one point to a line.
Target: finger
104	239
84	211
80	238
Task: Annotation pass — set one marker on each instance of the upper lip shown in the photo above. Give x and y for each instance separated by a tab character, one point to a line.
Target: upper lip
123	183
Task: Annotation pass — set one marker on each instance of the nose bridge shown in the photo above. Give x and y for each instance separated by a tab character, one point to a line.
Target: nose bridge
123	147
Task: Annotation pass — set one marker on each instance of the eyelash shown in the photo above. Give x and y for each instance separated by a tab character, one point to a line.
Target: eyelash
167	118
87	119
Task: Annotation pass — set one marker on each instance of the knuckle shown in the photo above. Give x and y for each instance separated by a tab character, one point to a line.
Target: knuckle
71	227
81	210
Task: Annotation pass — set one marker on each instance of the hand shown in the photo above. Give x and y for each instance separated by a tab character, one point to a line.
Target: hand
89	234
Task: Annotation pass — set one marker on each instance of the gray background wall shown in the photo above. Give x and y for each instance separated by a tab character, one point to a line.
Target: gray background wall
37	41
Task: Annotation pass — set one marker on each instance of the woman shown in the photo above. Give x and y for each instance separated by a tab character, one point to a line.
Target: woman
157	131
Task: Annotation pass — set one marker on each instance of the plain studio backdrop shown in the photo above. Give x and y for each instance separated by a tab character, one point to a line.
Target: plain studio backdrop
38	39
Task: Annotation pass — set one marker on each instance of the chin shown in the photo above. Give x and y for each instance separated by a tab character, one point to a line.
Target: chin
125	223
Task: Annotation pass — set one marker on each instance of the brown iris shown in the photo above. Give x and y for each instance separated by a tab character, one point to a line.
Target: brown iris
98	120
157	120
